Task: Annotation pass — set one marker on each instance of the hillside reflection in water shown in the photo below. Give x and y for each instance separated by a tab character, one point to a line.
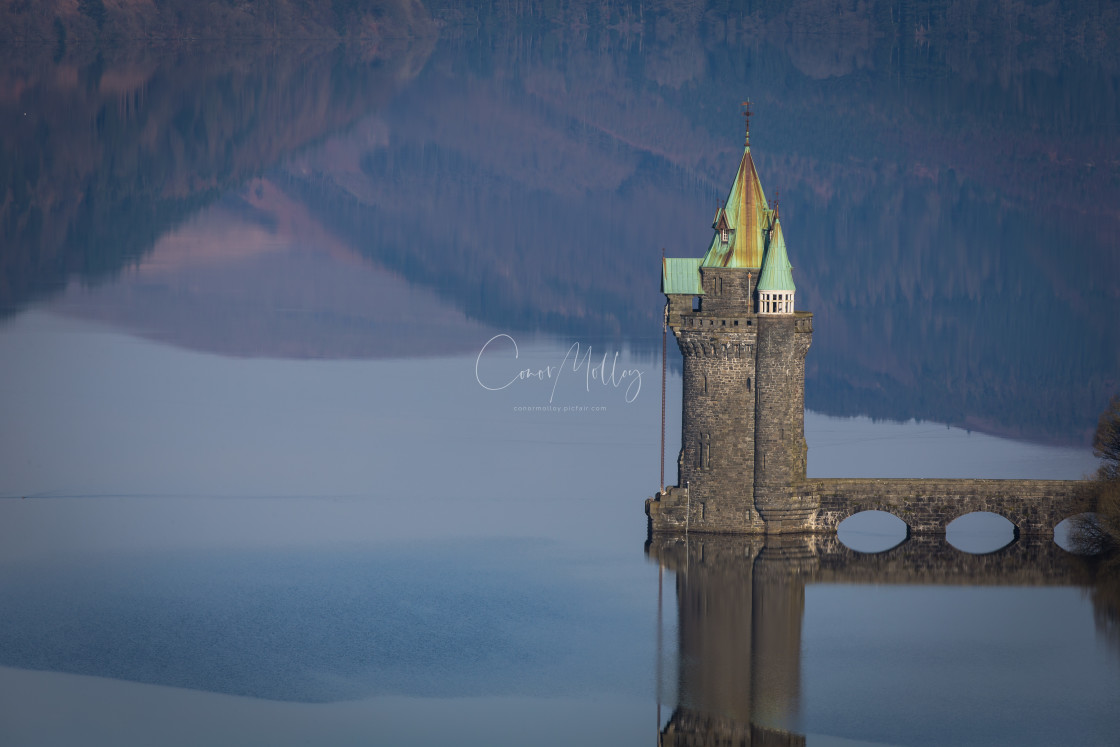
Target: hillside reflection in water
950	223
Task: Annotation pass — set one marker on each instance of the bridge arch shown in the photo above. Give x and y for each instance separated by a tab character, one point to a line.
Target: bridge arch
981	532
1089	543
872	531
835	512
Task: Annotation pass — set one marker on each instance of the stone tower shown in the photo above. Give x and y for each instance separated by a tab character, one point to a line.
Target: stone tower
742	461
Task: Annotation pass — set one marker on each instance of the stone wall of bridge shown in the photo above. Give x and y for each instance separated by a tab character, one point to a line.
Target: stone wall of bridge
1035	507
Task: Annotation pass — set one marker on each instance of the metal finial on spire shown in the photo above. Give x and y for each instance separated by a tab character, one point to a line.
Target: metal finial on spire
776	193
747	116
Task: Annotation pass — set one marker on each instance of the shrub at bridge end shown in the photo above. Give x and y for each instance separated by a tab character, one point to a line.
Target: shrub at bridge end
1101	533
1106	444
1097	535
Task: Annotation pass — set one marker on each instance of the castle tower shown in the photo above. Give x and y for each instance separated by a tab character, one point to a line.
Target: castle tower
742	422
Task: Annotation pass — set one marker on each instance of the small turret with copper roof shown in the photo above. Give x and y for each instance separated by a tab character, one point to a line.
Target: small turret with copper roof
775	283
741	465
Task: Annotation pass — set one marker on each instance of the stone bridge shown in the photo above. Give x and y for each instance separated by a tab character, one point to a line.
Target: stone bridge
1035	507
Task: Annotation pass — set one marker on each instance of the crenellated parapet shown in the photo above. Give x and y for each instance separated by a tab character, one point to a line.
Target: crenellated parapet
710	323
723	347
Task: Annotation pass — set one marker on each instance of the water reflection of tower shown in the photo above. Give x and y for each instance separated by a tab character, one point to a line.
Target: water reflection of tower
741	602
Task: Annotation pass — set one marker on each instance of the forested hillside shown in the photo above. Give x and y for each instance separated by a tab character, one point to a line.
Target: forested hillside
66	21
950	188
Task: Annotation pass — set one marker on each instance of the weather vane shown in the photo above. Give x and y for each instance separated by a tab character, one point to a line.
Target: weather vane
747	116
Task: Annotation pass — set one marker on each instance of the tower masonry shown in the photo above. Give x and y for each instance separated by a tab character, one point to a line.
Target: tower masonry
743	453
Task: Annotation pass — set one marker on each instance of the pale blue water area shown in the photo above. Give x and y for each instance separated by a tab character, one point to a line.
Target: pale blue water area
275	548
902	651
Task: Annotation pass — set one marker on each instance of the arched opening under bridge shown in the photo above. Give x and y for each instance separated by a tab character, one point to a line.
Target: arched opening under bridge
872	531
980	532
1079	534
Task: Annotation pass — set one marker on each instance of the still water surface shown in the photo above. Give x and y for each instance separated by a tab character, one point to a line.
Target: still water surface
236	550
253	491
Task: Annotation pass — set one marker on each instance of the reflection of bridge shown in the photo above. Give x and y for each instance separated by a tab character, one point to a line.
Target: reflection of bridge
741	600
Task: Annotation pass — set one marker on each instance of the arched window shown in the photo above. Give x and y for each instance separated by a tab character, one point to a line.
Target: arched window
704	451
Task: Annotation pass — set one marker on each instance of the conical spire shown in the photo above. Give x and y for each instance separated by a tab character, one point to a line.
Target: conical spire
777	273
744	215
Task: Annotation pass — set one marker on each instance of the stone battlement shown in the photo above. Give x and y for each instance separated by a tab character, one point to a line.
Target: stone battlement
710	322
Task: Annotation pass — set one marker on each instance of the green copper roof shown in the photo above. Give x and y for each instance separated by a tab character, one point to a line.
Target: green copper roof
681	276
777	272
747	215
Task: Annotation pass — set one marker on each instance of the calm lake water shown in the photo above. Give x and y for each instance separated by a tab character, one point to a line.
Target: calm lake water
259	481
